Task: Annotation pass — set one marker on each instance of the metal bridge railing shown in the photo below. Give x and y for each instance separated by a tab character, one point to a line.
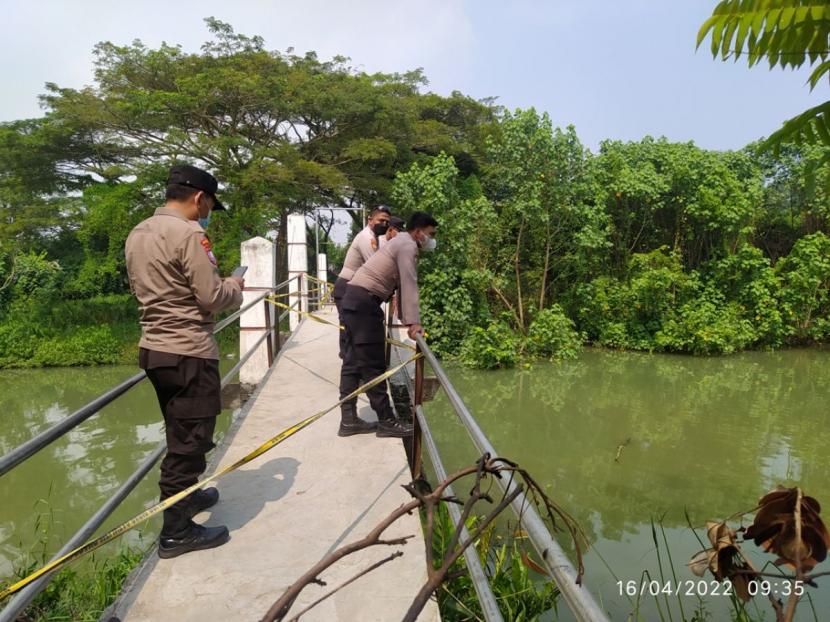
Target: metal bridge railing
577	597
26	450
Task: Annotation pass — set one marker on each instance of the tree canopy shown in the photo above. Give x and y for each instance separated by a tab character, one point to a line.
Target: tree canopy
544	245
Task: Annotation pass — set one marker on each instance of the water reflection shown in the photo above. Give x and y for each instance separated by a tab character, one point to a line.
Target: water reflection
708	435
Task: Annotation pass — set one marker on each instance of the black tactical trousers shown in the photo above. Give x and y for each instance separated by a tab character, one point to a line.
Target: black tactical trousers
364	355
337	293
188	391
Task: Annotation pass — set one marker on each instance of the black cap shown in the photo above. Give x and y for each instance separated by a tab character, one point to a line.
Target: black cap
397	223
186	175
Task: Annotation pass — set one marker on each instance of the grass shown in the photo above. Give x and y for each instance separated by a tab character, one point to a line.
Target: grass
81	595
521	594
80	592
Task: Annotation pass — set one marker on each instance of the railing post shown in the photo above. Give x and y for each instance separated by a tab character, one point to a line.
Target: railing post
259	255
416	426
297	267
270	339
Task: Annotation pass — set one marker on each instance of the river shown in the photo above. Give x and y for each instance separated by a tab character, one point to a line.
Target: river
623	439
618	439
49	496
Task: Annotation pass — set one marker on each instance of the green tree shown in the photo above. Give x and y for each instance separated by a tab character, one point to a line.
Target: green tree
283	132
787	33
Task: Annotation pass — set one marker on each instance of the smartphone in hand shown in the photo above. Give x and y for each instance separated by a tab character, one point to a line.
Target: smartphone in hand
239	271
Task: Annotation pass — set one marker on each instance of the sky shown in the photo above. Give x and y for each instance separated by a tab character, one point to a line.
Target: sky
614	69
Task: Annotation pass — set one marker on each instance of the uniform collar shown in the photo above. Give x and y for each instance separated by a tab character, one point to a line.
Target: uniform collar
169	211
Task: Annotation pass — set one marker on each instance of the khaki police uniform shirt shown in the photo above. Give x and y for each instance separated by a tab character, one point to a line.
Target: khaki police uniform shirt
393	267
363	246
174	275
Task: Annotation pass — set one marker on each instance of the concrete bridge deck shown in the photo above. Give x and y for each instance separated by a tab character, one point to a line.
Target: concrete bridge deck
291	506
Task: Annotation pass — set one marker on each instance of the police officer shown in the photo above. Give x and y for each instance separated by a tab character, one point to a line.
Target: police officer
363	246
174	275
396	226
393	267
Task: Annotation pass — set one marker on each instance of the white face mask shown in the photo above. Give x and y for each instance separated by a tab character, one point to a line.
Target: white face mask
429	244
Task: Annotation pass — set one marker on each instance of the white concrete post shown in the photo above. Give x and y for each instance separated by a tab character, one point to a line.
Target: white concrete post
259	255
322	275
297	267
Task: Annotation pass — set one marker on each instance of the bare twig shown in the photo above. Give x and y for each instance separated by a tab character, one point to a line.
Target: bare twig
362	573
484	469
436	577
792	601
281	607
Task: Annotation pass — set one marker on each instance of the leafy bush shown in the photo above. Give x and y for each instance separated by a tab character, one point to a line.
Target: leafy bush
805	273
520	593
109	309
447	308
746	278
31	344
91	345
552	335
34	276
18	342
704	327
491	347
628	314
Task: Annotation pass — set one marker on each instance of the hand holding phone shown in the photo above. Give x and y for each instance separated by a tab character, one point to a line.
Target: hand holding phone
239	271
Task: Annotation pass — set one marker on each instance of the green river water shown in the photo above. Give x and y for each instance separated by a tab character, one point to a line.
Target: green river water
44	500
707	436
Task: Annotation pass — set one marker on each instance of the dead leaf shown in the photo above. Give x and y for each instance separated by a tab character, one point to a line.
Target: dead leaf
724	559
528	561
701	561
774	529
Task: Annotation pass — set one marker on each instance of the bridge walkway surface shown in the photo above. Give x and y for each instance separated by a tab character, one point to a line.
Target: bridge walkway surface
290	507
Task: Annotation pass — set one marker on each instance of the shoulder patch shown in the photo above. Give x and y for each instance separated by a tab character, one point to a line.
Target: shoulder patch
208	249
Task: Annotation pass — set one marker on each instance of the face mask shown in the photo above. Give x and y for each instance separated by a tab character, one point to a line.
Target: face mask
380	228
429	244
204	222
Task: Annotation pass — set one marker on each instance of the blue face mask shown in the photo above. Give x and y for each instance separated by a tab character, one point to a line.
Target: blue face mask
204	222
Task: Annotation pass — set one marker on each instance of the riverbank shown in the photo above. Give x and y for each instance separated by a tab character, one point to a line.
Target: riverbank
98	331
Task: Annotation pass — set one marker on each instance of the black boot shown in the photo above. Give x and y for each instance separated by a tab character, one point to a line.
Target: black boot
351	424
202	500
196	538
388	426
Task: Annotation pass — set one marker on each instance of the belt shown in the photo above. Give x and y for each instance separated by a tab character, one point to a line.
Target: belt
374	297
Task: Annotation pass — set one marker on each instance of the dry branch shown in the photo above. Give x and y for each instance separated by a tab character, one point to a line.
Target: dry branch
485	470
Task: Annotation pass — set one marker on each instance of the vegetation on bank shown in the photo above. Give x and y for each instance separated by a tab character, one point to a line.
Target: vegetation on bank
81	595
40	327
543	245
647	245
521	593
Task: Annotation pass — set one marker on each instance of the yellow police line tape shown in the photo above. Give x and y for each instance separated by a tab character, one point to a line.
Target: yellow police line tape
299	293
163	505
321	281
317	318
307	314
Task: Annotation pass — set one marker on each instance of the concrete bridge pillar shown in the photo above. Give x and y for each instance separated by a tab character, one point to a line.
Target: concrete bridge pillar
259	255
297	267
